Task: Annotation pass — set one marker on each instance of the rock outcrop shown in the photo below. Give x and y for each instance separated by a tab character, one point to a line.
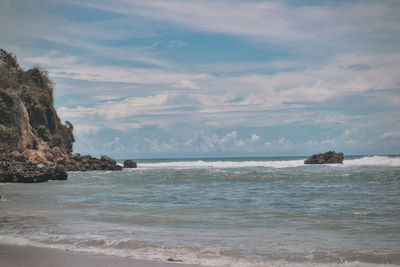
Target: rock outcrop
324	158
34	145
130	164
89	163
15	169
28	118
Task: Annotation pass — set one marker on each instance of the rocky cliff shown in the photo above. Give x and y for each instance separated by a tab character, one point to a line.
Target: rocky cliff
28	119
30	130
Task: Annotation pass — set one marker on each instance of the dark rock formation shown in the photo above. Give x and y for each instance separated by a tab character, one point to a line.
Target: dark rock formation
89	163
130	164
327	157
34	145
16	169
174	260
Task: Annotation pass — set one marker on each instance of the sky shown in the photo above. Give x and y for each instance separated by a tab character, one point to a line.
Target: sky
193	78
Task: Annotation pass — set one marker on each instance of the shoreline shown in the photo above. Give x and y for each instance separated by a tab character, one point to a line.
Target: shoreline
26	255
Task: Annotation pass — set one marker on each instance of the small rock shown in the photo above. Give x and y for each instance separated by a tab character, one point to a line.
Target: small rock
323	158
171	259
130	164
78	162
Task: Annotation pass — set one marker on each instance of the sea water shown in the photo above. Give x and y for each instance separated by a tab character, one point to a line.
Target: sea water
218	212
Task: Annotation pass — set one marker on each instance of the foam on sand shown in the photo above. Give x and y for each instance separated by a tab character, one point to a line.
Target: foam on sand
19	255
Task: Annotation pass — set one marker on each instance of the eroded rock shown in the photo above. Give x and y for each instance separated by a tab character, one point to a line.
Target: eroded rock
130	164
17	169
325	158
78	162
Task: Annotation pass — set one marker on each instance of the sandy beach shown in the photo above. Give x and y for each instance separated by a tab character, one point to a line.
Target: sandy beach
18	256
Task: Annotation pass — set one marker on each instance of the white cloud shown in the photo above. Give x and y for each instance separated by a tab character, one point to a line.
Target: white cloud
254	138
351	138
118	109
76	112
269	20
279	144
72	68
229	138
329	142
86	129
156	146
186	84
203	144
227	142
390	135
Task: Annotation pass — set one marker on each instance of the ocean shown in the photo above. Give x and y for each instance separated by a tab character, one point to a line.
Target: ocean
218	212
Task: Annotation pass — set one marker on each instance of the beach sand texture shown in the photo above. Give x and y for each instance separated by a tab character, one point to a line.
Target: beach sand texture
23	256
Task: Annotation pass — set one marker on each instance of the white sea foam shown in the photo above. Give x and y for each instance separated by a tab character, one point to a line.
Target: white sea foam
374	161
186	255
221	164
364	161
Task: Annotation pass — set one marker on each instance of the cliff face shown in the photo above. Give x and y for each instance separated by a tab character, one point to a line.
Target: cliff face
34	145
28	119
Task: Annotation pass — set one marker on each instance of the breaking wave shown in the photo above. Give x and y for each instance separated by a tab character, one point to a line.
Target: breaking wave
374	161
204	258
222	164
364	161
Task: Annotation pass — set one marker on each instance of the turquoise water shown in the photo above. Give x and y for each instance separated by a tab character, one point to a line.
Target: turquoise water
218	212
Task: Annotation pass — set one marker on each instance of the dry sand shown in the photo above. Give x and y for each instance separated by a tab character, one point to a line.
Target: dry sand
14	255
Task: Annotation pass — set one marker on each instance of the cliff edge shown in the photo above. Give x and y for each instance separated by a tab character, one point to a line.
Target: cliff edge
34	144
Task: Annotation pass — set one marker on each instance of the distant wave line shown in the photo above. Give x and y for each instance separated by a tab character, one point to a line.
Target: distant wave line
364	161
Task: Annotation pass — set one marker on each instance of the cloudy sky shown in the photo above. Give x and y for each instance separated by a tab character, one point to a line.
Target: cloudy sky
180	78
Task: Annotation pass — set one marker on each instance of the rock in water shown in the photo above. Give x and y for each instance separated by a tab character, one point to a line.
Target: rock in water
16	169
130	164
108	163
89	163
323	158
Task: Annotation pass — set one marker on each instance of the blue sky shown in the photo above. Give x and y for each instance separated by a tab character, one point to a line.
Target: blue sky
191	78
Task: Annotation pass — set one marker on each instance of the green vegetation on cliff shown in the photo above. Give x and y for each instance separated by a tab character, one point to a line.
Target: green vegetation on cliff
34	145
27	115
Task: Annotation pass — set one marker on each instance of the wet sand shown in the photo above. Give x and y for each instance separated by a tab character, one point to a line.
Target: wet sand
18	256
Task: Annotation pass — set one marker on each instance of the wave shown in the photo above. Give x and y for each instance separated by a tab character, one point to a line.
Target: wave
222	164
206	257
364	161
374	161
